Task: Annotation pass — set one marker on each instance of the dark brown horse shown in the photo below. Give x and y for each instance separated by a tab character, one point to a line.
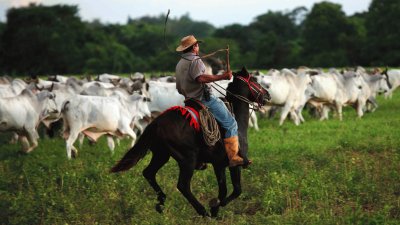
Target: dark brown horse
171	134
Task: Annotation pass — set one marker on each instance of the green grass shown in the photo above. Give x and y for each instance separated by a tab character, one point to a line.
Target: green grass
328	172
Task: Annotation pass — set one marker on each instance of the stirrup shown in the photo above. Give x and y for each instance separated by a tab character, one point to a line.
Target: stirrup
247	163
236	163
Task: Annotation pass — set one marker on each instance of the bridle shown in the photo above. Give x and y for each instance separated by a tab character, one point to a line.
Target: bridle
257	91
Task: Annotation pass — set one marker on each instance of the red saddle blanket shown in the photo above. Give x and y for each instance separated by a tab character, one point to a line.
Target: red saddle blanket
191	114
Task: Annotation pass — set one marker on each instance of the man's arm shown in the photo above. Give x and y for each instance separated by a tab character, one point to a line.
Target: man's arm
204	78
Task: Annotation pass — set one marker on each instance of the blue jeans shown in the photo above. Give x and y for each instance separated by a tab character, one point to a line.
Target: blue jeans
217	107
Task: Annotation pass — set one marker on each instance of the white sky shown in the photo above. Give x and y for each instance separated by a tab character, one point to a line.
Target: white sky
217	12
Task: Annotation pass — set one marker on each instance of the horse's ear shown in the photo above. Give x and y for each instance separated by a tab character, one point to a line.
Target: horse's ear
244	72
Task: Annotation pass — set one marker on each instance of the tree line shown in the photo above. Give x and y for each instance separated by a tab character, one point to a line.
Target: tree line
43	40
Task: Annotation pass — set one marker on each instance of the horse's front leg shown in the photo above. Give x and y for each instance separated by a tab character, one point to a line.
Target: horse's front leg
185	177
157	161
236	182
222	190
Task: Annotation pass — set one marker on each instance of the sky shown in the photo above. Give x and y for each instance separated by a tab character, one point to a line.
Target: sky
216	12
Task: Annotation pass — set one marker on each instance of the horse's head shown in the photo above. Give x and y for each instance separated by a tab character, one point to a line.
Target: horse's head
250	89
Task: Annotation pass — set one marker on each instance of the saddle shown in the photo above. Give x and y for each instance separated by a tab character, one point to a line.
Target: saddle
209	126
201	119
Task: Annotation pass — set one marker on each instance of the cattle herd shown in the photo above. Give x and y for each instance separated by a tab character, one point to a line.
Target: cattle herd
122	106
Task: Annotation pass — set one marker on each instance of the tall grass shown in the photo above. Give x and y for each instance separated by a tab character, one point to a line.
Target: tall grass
330	172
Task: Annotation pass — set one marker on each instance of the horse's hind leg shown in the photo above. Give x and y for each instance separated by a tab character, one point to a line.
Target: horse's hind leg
157	161
185	176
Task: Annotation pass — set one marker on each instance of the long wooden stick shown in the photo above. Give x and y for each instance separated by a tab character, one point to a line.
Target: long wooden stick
228	67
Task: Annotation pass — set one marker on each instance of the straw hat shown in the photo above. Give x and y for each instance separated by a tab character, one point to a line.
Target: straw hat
187	42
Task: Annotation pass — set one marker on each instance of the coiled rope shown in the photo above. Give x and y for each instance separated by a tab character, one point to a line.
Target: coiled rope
209	125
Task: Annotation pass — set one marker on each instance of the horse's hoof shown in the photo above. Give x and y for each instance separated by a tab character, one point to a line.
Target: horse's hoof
214	202
203	212
206	215
159	208
214	211
74	154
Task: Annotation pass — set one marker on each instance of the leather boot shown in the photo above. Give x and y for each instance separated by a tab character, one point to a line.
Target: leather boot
232	150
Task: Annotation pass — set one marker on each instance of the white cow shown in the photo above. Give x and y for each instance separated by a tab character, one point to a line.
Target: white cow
96	116
168	79
95	90
337	90
288	91
137	76
394	81
63	92
132	85
14	88
5	79
97	83
371	86
22	114
58	78
163	95
108	78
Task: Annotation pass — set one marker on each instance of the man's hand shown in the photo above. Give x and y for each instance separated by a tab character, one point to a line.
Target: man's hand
227	75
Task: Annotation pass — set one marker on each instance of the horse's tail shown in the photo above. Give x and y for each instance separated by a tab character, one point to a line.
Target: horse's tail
136	153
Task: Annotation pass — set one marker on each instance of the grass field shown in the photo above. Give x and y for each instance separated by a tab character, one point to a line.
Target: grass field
327	172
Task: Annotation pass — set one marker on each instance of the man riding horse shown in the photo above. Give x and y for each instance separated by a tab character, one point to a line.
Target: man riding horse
173	134
193	83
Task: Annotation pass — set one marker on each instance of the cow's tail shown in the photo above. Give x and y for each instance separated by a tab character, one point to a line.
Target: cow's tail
66	127
136	153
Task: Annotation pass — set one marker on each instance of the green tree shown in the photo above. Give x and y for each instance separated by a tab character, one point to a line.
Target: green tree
355	43
42	39
325	34
245	39
275	32
383	25
103	53
185	26
241	34
2	27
